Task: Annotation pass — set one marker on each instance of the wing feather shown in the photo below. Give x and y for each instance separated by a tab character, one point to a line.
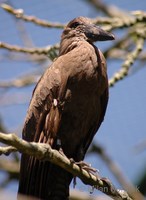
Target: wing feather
41	125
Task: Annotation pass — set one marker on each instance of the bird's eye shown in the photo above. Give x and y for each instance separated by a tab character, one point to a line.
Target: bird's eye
74	25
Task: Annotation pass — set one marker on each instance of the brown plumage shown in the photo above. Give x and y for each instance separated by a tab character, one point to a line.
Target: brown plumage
66	109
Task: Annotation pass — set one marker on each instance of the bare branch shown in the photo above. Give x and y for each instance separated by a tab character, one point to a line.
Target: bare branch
19	13
44	152
44	50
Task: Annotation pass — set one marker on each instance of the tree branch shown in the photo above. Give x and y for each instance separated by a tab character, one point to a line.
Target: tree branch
7	150
44	50
44	152
117	18
19	13
131	57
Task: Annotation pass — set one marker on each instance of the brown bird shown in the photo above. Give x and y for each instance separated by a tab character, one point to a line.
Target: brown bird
66	110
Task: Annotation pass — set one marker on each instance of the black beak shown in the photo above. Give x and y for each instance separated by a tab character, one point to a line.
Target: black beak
95	33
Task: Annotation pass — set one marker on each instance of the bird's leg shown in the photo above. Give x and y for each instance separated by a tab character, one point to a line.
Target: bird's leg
60	148
87	167
74	181
71	159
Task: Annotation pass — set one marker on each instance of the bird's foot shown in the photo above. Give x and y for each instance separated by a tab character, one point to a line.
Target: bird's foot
85	166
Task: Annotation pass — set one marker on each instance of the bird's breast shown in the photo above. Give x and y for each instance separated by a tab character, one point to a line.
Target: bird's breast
89	69
82	101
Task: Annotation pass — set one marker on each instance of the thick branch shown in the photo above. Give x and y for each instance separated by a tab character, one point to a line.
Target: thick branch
44	152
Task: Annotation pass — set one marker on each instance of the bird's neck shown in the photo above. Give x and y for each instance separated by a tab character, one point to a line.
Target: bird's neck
67	45
70	41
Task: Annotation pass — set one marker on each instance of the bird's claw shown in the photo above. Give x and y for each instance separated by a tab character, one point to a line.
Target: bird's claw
85	166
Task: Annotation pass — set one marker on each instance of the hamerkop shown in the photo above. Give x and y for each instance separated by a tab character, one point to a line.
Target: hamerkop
66	110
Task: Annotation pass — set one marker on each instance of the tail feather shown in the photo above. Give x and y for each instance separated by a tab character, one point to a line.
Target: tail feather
44	180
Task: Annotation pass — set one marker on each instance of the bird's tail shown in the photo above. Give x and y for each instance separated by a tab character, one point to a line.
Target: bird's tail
43	180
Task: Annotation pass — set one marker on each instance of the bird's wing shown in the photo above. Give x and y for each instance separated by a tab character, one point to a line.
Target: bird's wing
43	116
41	125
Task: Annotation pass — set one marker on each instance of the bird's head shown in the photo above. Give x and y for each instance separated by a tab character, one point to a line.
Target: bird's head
82	27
